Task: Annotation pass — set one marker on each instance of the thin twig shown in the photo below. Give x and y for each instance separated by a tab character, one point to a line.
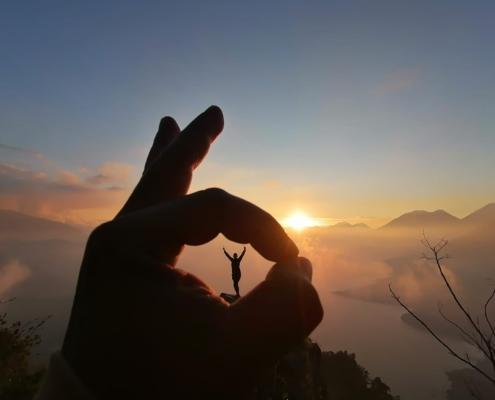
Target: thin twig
438	339
466	336
436	249
488	321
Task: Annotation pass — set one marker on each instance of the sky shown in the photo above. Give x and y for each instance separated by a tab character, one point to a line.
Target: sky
347	110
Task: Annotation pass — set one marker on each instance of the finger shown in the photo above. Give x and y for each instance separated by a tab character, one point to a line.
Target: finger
170	176
302	269
273	318
167	132
193	145
198	218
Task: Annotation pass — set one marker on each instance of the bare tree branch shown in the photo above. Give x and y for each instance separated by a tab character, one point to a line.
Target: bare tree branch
439	340
437	258
470	339
488	321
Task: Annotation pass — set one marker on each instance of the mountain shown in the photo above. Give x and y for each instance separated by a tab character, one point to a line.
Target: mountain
423	219
15	225
345	224
484	215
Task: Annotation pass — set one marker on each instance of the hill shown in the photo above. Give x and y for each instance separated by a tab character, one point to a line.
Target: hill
423	219
345	224
484	215
15	225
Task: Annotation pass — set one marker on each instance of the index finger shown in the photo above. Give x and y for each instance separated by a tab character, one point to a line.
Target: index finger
171	173
198	218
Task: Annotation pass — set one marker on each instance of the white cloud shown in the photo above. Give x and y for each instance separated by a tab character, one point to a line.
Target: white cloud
11	274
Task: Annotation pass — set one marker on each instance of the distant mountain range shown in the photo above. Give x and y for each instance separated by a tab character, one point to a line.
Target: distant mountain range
484	215
40	260
15	225
442	219
345	224
420	219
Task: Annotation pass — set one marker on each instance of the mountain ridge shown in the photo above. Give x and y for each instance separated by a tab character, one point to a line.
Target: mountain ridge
17	225
441	218
23	224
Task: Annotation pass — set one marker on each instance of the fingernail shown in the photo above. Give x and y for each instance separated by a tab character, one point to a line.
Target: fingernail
214	115
166	122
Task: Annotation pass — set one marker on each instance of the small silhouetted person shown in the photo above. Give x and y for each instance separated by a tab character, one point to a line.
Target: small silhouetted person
235	263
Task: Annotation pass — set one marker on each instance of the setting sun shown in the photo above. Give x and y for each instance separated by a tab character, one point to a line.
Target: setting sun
299	221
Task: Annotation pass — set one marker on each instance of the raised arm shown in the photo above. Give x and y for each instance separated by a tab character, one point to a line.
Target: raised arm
242	254
227	254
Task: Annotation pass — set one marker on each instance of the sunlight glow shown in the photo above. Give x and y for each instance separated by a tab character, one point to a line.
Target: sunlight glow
299	221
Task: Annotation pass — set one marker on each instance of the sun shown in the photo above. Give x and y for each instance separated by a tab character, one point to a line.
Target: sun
299	221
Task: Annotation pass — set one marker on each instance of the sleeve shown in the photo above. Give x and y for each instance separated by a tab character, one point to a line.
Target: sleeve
61	383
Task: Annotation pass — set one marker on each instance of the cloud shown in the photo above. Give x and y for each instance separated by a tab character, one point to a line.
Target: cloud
398	81
85	196
22	150
68	178
111	173
11	274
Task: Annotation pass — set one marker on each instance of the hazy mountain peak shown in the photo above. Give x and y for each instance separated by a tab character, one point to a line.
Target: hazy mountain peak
422	218
345	224
485	214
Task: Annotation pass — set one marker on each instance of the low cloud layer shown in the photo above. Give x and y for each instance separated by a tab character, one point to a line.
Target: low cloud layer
31	184
12	273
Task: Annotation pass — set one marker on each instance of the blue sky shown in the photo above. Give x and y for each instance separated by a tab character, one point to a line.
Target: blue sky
347	109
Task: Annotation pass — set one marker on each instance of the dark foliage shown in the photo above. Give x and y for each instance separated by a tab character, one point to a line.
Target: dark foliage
307	373
17	339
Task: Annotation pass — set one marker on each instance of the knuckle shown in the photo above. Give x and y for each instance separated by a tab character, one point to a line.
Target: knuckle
216	194
99	234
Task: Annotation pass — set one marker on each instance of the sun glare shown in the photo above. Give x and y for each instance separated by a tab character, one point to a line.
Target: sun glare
299	221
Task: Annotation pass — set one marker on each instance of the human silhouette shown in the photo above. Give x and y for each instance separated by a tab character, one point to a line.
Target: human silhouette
235	264
141	328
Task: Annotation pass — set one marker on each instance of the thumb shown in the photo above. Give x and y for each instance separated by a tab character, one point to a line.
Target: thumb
274	317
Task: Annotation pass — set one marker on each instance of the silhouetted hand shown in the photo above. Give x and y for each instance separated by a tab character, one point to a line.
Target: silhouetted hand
141	328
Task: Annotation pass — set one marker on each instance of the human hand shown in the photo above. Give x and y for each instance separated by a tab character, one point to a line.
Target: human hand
141	328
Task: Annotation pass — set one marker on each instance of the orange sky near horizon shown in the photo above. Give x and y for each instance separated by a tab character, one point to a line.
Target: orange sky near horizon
89	196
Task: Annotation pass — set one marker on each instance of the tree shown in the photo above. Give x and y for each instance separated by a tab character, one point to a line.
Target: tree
17	339
307	373
345	379
477	335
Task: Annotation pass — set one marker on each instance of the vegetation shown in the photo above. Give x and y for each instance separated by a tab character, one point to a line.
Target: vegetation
307	373
345	379
17	340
